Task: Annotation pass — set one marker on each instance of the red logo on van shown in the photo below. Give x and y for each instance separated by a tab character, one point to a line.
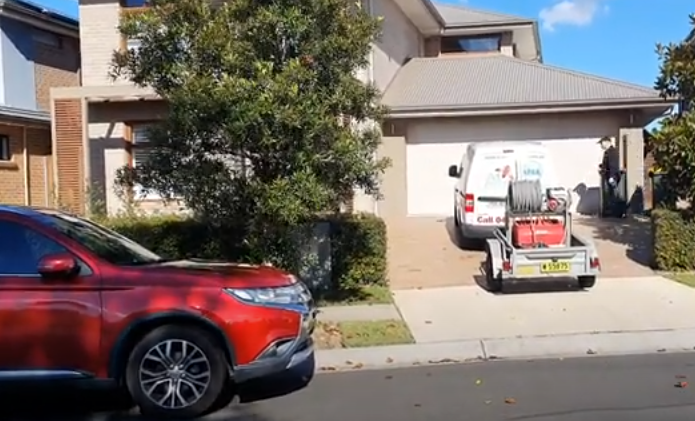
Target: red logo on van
489	219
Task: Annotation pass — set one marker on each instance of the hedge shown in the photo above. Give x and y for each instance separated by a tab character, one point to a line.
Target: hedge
357	245
674	240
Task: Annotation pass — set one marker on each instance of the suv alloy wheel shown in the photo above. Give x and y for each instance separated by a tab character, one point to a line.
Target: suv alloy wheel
176	372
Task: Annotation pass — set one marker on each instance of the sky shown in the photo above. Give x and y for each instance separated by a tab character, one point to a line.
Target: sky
610	38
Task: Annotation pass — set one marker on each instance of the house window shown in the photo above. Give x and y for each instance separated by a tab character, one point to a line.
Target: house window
139	154
132	44
48	38
5	152
134	3
472	44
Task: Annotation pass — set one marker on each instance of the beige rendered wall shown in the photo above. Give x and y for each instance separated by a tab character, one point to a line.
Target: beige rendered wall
544	126
108	147
400	40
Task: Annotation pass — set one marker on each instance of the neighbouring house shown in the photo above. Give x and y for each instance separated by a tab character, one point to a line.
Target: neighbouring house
39	49
450	75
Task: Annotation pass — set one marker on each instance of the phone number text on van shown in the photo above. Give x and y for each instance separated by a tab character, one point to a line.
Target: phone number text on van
485	219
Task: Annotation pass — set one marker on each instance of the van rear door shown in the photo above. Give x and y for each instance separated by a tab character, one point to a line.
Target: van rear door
488	182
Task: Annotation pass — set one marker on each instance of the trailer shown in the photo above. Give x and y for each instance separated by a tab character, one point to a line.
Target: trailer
537	240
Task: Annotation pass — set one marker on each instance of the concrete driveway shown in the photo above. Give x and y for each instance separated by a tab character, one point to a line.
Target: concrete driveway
645	304
423	252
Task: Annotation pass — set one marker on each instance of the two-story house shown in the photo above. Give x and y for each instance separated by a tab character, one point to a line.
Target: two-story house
450	75
39	49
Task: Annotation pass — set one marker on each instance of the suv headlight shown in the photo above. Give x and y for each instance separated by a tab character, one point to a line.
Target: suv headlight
296	293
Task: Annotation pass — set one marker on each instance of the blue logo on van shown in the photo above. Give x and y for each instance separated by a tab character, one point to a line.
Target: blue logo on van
531	170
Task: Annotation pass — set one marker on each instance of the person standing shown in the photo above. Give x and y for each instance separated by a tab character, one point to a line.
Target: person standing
611	174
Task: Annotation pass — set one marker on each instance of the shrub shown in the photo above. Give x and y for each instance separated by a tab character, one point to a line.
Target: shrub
358	251
357	244
674	239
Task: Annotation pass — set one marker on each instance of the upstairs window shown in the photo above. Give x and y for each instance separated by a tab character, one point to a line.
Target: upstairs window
472	44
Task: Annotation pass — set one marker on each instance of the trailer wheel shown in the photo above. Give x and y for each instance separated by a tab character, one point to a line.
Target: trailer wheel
493	283
586	282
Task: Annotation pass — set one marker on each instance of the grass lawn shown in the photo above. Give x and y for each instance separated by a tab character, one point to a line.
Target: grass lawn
359	334
365	295
683	278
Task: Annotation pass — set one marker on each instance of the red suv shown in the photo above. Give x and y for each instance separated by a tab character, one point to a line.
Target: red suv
82	302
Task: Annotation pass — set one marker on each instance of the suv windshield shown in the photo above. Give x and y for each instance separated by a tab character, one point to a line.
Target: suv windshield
106	244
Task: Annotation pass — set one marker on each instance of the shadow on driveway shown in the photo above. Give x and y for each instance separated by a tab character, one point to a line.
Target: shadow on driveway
628	238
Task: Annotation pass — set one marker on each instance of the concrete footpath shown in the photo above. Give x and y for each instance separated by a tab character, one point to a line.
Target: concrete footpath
618	316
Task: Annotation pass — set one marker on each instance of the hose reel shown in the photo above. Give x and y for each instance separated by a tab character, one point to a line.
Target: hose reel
525	196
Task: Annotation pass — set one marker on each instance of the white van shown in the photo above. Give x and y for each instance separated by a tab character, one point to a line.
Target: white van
482	182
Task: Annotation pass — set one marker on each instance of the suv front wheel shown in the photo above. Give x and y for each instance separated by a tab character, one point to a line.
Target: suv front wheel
176	372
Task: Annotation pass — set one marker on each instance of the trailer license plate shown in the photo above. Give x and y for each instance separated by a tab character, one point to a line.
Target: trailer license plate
555	267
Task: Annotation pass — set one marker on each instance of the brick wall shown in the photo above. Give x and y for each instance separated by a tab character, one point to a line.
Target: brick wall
40	176
99	37
55	67
12	173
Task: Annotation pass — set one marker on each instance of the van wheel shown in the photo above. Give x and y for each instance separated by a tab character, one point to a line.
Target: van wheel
586	282
176	372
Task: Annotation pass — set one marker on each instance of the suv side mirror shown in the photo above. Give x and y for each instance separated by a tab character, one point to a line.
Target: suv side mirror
453	171
59	265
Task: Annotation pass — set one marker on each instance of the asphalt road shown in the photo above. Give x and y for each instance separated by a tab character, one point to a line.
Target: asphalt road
630	388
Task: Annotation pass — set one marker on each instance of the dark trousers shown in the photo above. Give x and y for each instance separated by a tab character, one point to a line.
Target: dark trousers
614	204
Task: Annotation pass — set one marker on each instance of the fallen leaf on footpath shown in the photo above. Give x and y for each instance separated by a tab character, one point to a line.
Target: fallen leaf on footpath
329	368
510	401
389	360
358	366
348	362
417	363
661	350
590	352
682	385
417	405
478	382
488	402
428	322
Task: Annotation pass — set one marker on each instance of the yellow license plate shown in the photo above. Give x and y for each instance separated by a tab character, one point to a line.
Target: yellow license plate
555	267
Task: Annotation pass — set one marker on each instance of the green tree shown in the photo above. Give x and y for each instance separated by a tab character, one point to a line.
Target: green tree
267	122
674	141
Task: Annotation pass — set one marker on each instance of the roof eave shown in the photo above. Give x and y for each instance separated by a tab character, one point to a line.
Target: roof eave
39	18
489	24
25	116
423	14
530	108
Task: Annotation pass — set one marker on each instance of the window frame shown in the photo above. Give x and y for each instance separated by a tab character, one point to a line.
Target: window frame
6	155
457	41
136	143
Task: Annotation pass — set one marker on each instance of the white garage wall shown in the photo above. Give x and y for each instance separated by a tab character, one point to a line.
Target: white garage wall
434	144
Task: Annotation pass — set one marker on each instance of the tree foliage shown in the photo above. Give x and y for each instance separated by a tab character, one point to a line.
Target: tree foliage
674	140
258	94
